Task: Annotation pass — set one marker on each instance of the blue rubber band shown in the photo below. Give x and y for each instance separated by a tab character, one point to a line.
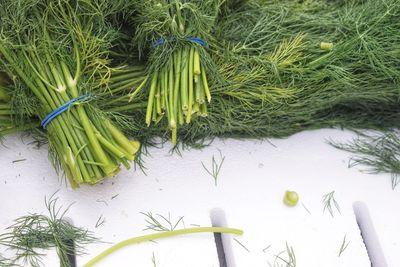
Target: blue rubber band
196	40
64	107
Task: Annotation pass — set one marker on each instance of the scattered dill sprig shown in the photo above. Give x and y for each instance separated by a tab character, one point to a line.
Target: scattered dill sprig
266	248
102	201
304	206
288	261
100	221
330	202
30	235
160	223
380	152
343	246
215	167
18	160
153	260
241	244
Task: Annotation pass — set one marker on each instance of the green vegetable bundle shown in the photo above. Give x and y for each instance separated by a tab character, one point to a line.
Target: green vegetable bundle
293	66
177	33
273	68
58	51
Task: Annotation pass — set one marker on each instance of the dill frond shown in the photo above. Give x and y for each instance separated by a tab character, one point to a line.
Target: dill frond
330	203
30	235
380	152
215	167
160	223
286	260
343	246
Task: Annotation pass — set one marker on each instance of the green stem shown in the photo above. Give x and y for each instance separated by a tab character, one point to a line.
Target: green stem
190	78
138	89
172	116
121	139
130	107
153	88
179	17
205	84
177	76
99	154
117	78
6	112
184	80
4	94
163	90
139	239
158	95
196	63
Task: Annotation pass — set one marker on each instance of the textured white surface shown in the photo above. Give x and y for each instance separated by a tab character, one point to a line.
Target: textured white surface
250	189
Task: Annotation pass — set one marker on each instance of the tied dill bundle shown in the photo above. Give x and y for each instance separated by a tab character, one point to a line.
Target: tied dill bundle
58	50
177	33
274	68
31	236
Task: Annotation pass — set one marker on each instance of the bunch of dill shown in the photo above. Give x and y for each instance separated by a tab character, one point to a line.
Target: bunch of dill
32	236
282	80
274	68
58	51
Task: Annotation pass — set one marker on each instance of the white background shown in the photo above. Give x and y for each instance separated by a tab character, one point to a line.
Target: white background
251	185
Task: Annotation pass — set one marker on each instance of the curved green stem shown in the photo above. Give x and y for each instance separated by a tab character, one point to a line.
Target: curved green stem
139	239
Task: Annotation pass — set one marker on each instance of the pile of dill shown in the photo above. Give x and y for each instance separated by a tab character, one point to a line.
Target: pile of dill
273	68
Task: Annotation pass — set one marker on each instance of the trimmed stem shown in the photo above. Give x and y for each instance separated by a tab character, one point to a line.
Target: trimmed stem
190	78
139	239
153	87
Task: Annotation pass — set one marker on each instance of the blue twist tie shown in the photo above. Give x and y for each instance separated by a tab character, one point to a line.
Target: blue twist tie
196	40
64	107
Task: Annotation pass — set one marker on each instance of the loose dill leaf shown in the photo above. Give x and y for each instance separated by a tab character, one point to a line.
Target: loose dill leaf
100	221
287	260
304	206
160	223
343	246
153	260
266	248
241	244
330	203
215	167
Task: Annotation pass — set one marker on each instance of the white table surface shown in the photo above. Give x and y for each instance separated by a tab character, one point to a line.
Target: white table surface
251	185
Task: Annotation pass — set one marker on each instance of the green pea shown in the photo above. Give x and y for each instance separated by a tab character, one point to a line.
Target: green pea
291	198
